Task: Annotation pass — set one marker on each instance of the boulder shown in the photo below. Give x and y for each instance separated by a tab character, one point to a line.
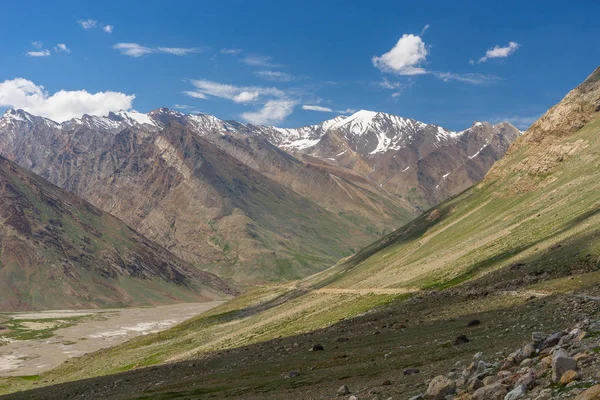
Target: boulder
497	391
561	363
474	384
343	391
440	387
316	347
461	339
411	371
568	377
517	393
592	393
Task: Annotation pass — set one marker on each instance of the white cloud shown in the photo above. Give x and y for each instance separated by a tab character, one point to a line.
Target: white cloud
231	51
186	107
259	61
37	44
88	23
108	28
40	53
274	111
499	52
245	97
276	76
137	50
347	111
239	94
61	47
196	95
424	30
62	105
316	108
405	58
473	79
178	51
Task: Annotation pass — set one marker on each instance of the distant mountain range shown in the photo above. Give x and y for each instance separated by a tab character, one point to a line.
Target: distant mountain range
255	203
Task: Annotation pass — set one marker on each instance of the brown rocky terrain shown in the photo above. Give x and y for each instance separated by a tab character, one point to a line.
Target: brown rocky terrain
58	251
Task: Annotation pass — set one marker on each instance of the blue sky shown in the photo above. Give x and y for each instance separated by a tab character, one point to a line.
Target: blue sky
277	62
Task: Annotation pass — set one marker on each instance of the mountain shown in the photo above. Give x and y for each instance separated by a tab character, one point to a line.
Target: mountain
58	251
516	253
424	163
250	202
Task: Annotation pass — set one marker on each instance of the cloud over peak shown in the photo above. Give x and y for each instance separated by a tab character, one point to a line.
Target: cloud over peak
405	58
274	111
62	105
316	108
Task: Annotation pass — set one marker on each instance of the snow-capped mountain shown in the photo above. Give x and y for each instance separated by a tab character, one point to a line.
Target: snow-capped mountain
424	163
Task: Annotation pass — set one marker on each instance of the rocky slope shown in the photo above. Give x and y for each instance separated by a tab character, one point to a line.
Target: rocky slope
423	163
58	251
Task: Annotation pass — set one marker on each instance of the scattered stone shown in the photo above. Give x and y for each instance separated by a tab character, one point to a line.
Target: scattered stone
387	382
517	393
592	393
440	387
353	398
316	347
473	323
538	338
292	374
474	384
343	391
497	391
561	363
568	377
411	371
461	339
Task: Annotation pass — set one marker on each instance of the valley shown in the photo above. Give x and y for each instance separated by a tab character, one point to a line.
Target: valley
32	343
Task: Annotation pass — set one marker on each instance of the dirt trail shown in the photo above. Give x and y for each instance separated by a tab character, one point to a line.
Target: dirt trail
103	328
365	291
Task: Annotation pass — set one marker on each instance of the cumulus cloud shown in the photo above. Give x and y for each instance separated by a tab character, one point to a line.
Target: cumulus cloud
108	28
137	50
316	108
38	53
405	58
276	76
471	78
61	48
239	94
62	105
498	52
274	111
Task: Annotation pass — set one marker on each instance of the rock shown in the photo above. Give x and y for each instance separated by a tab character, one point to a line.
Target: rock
561	363
292	374
551	340
316	347
528	380
528	350
411	371
461	339
343	391
417	397
489	380
353	398
496	391
516	356
474	384
387	382
517	393
526	362
538	338
592	393
473	323
568	377
545	394
440	387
